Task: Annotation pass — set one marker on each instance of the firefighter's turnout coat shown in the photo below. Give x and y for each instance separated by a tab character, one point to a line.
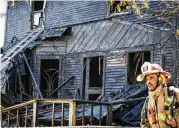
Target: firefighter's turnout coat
153	114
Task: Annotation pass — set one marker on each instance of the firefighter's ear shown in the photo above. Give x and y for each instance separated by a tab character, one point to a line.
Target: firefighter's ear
159	79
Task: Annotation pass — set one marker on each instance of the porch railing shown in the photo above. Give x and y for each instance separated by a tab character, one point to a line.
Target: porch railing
28	114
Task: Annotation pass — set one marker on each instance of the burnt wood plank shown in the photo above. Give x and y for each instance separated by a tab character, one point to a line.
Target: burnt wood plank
94	44
96	27
97	35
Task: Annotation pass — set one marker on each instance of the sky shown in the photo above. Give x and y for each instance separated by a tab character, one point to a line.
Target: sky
2	21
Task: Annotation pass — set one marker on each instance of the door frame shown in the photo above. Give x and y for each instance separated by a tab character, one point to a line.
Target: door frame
91	55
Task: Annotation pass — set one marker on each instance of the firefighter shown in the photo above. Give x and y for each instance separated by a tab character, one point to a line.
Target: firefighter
157	109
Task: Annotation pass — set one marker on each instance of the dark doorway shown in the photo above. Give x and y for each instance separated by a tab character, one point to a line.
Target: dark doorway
136	59
96	72
49	76
93	77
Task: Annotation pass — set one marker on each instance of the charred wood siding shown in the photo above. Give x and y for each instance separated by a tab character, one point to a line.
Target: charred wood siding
115	71
72	66
112	34
49	50
51	47
17	21
61	13
112	37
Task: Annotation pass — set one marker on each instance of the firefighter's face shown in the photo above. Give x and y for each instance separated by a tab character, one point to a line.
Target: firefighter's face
151	81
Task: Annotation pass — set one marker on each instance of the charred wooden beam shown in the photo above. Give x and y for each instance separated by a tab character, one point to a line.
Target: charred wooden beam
60	86
127	101
31	73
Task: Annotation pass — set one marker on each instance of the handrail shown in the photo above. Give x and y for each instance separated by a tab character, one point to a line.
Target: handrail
60	86
17	106
91	102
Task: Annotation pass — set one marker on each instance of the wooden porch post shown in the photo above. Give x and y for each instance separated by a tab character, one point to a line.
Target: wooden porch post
72	113
35	113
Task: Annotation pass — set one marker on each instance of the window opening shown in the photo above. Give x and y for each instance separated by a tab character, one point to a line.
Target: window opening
135	61
38	5
37	14
49	76
118	6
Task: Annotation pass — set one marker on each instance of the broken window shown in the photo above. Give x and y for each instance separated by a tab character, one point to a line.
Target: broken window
49	76
37	14
118	6
93	77
135	61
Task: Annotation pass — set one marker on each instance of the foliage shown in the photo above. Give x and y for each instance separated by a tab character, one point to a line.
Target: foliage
164	11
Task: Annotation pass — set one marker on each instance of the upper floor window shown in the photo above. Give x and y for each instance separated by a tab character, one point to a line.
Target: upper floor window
117	6
37	14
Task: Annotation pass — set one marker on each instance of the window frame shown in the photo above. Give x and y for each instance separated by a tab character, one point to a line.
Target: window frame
138	49
91	55
41	12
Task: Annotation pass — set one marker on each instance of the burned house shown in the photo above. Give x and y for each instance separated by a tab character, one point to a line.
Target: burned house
82	48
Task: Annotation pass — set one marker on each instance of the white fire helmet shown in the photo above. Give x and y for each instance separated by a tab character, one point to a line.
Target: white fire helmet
148	68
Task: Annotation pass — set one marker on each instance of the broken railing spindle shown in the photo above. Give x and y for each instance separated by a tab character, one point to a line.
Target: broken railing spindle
91	114
62	118
53	114
83	114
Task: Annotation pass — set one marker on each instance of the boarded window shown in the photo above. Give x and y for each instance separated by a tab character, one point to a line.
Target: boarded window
135	61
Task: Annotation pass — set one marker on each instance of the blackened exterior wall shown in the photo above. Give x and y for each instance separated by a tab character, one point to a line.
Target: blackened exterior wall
112	39
57	14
